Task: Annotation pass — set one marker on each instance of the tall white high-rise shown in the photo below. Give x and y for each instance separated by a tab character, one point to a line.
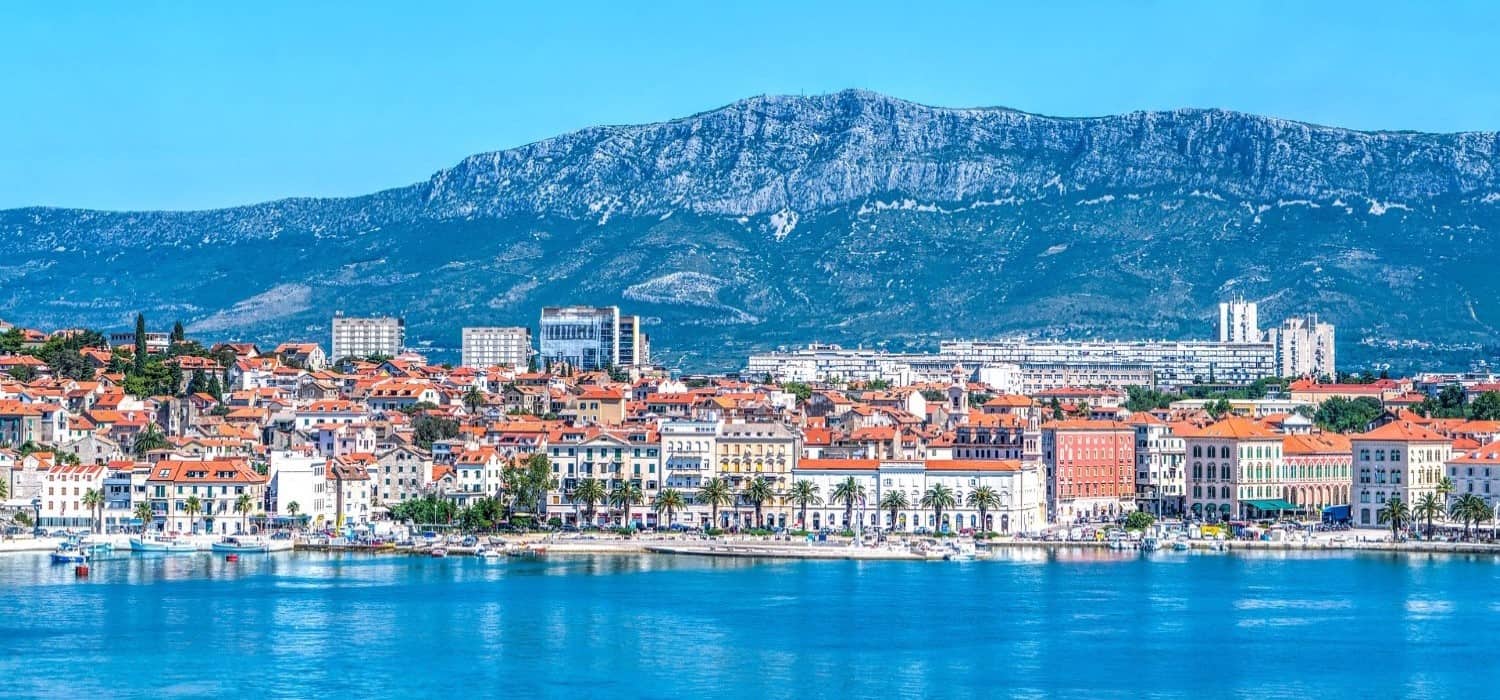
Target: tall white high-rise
489	346
1238	322
1304	346
364	337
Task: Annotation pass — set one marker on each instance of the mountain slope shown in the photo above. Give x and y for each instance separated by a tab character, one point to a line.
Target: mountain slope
849	217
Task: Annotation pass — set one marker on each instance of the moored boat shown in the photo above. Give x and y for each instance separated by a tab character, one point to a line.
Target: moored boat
437	552
161	544
488	553
241	544
69	553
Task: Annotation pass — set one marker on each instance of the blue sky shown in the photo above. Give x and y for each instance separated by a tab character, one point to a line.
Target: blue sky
147	105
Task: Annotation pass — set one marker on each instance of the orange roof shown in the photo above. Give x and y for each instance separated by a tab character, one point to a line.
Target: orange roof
1010	400
1084	424
206	471
1315	443
1401	431
1487	454
1235	428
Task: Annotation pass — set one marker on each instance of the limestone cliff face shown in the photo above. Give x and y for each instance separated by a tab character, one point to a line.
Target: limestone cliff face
845	217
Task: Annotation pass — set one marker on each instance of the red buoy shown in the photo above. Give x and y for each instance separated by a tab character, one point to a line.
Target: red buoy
232	557
81	571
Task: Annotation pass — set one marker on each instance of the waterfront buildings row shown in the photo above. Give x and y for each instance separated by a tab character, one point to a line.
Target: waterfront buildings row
291	439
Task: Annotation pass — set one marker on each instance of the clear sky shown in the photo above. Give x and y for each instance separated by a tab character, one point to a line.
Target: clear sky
144	105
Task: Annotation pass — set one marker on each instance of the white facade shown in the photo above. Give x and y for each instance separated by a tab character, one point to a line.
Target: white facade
1239	322
1395	461
1160	474
299	477
1174	363
1304	347
489	346
363	337
1021	508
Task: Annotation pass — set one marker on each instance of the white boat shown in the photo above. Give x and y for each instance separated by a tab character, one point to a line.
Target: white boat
963	551
161	544
1180	545
241	544
69	553
489	554
1148	544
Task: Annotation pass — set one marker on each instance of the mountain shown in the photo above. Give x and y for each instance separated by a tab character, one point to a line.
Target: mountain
852	218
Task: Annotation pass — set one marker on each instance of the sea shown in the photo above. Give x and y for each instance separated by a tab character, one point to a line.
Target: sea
1073	623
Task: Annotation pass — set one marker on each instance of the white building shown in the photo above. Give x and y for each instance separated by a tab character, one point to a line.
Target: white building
1170	362
688	449
1304	347
1478	472
489	346
1239	322
367	336
300	477
1160	473
1022	506
1396	460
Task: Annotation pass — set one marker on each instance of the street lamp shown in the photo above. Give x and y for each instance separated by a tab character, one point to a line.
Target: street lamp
36	523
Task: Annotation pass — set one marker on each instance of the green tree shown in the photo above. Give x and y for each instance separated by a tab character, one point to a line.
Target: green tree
93	499
715	493
802	391
474	400
144	514
1429	506
1217	408
1341	415
1468	508
429	429
140	343
804	493
1486	406
4	488
895	502
850	493
939	498
1139	520
243	505
192	507
1140	399
757	493
178	334
668	501
150	438
589	493
984	498
1394	513
624	495
11	341
1444	489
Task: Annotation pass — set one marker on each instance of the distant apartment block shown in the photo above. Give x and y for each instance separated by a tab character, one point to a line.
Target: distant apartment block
489	346
155	342
592	337
1239	322
1304	347
355	336
1170	362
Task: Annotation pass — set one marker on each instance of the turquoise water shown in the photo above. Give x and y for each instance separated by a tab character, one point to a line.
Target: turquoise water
1080	624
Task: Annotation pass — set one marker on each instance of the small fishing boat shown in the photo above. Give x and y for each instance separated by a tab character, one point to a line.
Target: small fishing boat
437	552
166	544
1180	546
240	544
1148	544
69	553
488	554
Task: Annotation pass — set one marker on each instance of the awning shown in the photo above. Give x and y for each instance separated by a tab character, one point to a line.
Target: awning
1271	504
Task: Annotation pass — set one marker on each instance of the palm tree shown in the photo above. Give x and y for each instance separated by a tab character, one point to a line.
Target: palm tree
242	505
192	507
939	498
1464	510
895	502
1394	513
1429	506
4	488
625	495
848	492
756	494
144	514
1482	514
1444	489
93	499
589	493
151	438
804	493
291	510
670	501
473	399
984	498
714	493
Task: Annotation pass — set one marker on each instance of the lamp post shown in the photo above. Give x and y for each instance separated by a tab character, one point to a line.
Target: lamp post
36	522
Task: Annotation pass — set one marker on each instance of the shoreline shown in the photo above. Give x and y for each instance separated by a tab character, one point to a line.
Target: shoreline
768	549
